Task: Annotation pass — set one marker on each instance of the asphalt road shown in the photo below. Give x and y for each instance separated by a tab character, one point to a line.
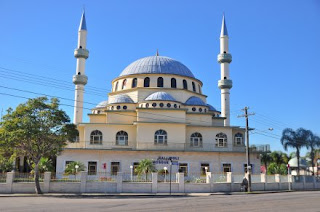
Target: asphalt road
293	201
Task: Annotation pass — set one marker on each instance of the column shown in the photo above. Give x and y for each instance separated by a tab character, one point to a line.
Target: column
181	182
83	181
119	182
9	181
46	182
154	188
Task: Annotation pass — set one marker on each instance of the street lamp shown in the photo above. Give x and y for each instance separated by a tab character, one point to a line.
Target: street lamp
165	173
76	167
131	174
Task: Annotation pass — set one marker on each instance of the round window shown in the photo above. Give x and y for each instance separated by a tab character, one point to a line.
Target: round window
154	104
118	107
168	105
125	107
161	104
200	109
193	109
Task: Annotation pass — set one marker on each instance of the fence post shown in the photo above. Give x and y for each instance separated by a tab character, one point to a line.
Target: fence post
181	182
154	188
264	180
83	181
229	180
314	181
209	180
304	181
119	182
46	182
9	181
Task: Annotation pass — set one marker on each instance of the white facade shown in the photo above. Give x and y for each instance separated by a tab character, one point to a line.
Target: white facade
156	109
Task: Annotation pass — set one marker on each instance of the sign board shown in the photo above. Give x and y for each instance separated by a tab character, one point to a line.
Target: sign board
166	160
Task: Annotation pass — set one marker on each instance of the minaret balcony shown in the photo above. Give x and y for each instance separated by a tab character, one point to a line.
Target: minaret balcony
80	79
81	53
225	83
224	58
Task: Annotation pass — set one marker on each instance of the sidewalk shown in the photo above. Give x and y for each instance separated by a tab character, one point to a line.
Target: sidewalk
134	195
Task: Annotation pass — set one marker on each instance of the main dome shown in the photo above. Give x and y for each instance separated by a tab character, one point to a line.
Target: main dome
157	65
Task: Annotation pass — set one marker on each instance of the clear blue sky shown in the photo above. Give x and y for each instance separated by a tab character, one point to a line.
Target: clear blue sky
275	47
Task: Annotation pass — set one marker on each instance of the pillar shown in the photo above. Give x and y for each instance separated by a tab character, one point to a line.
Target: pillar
180	178
154	188
83	181
119	182
9	181
46	182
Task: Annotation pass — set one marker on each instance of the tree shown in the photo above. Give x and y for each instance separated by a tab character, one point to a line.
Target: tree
313	142
45	165
277	157
71	168
145	166
295	139
36	129
265	159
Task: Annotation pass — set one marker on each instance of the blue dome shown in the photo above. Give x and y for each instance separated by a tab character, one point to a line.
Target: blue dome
211	108
160	96
123	98
102	104
193	100
157	65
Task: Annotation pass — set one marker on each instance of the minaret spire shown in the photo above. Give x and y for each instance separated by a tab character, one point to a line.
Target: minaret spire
225	83
80	79
157	54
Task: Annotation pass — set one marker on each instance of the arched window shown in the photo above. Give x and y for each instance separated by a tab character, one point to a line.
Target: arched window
96	137
238	139
134	83
193	87
185	84
221	140
124	83
122	138
160	82
160	137
146	82
116	86
173	83
196	140
199	89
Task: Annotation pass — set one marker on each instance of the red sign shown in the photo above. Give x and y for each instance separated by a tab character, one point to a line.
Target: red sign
104	166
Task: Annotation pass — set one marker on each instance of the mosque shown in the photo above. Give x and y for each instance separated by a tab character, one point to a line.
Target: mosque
156	110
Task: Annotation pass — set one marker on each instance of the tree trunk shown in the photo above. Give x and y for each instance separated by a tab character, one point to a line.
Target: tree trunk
266	165
298	158
312	161
36	178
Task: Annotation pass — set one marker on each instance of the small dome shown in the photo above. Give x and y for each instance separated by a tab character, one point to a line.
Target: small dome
123	98
294	162
102	104
211	108
195	101
157	65
164	96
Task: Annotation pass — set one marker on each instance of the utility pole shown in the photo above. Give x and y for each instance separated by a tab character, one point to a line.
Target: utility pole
246	115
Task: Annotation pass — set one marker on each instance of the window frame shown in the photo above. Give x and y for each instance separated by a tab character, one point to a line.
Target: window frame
160	137
196	136
185	84
229	167
194	87
173	83
238	139
146	82
221	140
95	169
124	135
160	82
96	137
134	83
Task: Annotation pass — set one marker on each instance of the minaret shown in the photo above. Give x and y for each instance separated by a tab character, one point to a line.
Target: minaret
225	83
80	79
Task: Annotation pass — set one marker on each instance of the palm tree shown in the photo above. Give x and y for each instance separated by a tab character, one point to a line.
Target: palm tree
276	157
145	166
295	139
265	159
312	143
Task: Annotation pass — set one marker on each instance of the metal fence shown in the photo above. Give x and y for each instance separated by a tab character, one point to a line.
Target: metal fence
26	177
128	177
219	177
195	178
62	177
102	177
3	177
